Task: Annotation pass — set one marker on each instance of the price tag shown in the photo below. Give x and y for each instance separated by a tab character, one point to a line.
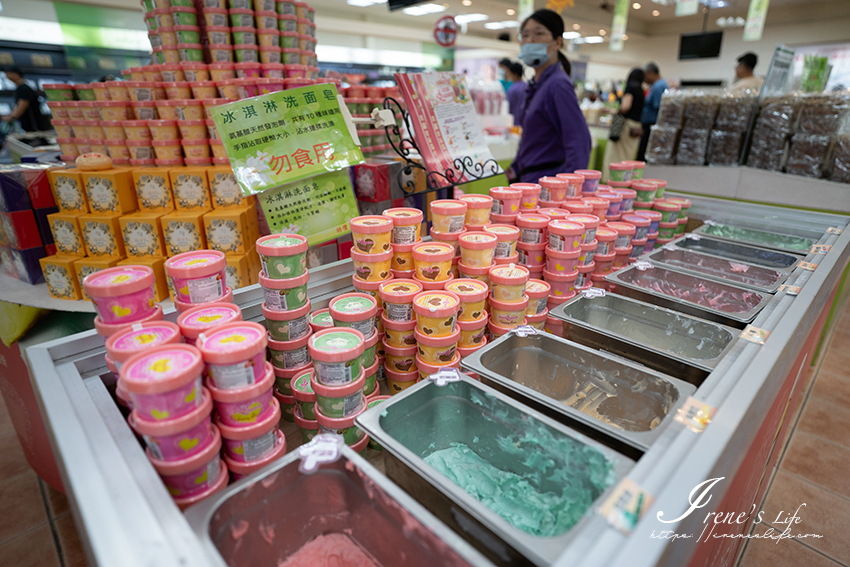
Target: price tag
710	223
524	331
643	265
692	236
833	230
820	249
626	505
323	449
755	335
446	376
670	247
592	292
695	415
790	289
808	266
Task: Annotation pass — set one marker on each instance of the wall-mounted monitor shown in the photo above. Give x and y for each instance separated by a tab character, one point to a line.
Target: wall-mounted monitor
700	45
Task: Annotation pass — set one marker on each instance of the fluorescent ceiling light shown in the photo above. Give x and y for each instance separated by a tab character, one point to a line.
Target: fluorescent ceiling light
502	25
571	35
467	18
424	9
594	39
365	3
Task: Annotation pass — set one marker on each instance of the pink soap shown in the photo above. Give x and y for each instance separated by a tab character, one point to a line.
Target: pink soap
179	438
328	550
563	285
235	354
198	276
194	474
562	262
244	406
123	294
565	235
164	382
252	442
140	337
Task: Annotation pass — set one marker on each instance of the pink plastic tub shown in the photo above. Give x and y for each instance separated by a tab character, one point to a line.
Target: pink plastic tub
179	438
625	232
565	235
239	470
533	228
235	354
164	382
198	276
562	262
123	294
553	189
530	195
590	223
251	443
506	200
563	285
200	319
244	406
195	474
140	337
335	353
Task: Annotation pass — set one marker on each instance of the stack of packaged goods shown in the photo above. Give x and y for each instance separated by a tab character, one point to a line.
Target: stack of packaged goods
700	112
26	204
361	100
664	135
774	126
727	137
823	119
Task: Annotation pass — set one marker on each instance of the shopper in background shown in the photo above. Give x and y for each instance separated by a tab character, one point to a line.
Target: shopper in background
744	73
555	137
516	91
626	128
649	116
27	105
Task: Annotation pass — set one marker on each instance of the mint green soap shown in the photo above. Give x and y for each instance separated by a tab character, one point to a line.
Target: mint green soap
759	237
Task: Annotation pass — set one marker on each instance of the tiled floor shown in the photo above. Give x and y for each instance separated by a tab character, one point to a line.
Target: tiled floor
815	470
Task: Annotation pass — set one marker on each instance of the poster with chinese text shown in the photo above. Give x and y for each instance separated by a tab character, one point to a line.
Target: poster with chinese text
285	136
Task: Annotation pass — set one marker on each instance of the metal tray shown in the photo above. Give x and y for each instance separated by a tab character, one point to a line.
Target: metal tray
719	269
427	418
779	261
279	509
620	403
632	282
673	343
758	237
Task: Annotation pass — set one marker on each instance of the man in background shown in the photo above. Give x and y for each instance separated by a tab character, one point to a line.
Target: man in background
744	73
27	105
515	93
649	114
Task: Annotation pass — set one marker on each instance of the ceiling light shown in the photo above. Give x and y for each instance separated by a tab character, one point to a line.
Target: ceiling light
424	9
636	6
656	13
602	32
576	27
594	39
467	2
501	25
625	37
365	3
571	35
510	11
467	18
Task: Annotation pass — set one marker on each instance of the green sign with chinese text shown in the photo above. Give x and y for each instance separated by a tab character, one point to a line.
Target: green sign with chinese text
285	136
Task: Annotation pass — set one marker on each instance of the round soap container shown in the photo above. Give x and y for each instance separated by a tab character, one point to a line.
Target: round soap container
640	223
433	261
438	351
506	200
621	257
481	274
565	235
398	381
321	319
660	184
666	230
586	254
506	236
553	189
198	276
285	294
400	359
426	369
340	401
508	315
372	267
575	182
123	294
537	292
654	218
369	355
530	196
251	443
247	405
356	311
646	191
397	299
336	355
344	427
305	398
290	355
195	474
669	211
402	257
448	215
283	255
369	288
140	337
371	374
308	428
563	285
590	223
287	325
240	470
234	354
472	332
473	298
620	171
577	207
178	438
478	209
562	262
463	352
605	239
407	224
436	312
508	283
164	382
477	249
398	334
371	234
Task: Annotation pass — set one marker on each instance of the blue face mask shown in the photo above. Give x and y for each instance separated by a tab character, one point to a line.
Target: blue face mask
534	54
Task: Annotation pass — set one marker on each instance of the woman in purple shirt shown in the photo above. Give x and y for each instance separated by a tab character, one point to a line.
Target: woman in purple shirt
555	137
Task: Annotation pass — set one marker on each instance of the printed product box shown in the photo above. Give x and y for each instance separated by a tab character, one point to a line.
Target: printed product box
61	277
158	267
110	191
67	234
191	188
68	190
183	232
153	189
142	233
102	235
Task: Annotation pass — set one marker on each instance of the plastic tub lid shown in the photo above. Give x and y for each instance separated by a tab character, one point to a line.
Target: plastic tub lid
371	224
589	173
510	193
572	178
565	227
445	236
537	289
557	182
504	232
473	325
118	281
448	340
664	205
436	303
195	264
621	166
623	251
285	315
139	337
302	389
174	425
468	290
478	240
660	182
588	221
358	256
553	277
245	393
590	246
366	286
509	274
433	251
398	325
532	220
429	369
162	369
448	207
527	188
282	245
635	219
232	343
399	290
478	201
199	319
563	254
635	163
338	391
473	270
288	283
350	307
622	228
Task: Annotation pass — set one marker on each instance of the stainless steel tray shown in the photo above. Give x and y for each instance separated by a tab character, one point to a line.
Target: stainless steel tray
266	517
795	244
516	439
779	261
744	304
622	404
736	272
673	343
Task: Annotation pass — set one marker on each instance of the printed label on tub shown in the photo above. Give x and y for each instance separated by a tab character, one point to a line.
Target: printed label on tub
256	449
229	376
298	328
622	241
497	207
296	358
334	373
503	250
523	257
579	283
556	242
531	235
399	312
366	327
456	223
545	194
204	290
352	404
641	232
275	300
589	235
404	234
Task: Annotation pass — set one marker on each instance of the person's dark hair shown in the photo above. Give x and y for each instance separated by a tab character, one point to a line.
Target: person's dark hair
651	68
635	77
553	22
16	70
505	63
515	68
749	60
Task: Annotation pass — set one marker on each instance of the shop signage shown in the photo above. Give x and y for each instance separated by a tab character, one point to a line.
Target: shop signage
778	79
618	26
445	31
524	9
687	7
755	20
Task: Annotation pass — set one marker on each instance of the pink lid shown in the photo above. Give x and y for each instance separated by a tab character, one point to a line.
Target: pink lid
142	162
287	283
588	221
214	10
604	234
660	182
478	201
429	369
635	219
512	306
358	256
478	240
299	385
620	166
251	430
371	224
338	344
138	143
659	205
532	220
338	391
162	369
540	317
186	9
364	285
503	232
245	468
429	285
399	351
221	47
622	228
577	207
157	123
399	290
468	290
508	274
241	11
589	173
644	185
433	252
571	178
610	196
553	277
448	207
445	236
566	228
498	330
671	224
527	188
175	425
564	254
139	337
448	340
281	245
396	376
635	164
195	264
286	315
436	304
626	193
351	307
225	65
232	343
199	319
245	393
474	270
554	182
118	281
193	462
398	325
107	330
537	289
473	325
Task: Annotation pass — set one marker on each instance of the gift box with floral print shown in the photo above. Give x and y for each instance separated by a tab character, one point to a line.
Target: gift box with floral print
68	190
183	232
60	276
86	266
158	266
153	189
229	231
142	232
191	188
110	191
102	235
67	234
225	190
238	271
